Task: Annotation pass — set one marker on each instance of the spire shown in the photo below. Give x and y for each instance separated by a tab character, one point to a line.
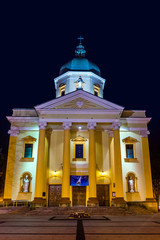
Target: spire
80	51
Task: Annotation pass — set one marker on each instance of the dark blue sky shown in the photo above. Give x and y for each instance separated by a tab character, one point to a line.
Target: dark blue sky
121	37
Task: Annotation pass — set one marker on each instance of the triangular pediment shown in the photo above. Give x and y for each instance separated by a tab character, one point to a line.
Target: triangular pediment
79	100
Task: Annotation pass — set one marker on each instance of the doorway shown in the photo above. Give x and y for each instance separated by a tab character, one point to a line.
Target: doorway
79	195
103	194
54	195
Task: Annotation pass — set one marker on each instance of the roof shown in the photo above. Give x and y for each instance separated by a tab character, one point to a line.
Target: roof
80	64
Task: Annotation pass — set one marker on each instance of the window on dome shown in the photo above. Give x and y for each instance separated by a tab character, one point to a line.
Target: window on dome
62	88
96	89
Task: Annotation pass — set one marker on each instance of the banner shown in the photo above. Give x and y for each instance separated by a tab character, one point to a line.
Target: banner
79	181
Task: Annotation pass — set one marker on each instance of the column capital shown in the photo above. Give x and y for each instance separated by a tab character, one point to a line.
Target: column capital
48	131
116	125
91	125
67	125
110	133
42	125
144	133
13	131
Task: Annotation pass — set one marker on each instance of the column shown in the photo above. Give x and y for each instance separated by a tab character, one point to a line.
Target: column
146	165
40	171
65	200
112	164
119	199
10	163
92	201
46	164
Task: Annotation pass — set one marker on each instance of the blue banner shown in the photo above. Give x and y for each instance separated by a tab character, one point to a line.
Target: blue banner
79	181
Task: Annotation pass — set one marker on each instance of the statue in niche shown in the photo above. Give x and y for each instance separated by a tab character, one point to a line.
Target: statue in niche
131	184
26	183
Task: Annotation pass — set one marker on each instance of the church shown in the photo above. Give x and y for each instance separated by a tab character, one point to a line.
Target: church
79	149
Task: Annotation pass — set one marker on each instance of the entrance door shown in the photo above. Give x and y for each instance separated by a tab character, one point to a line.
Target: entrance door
103	194
54	195
79	195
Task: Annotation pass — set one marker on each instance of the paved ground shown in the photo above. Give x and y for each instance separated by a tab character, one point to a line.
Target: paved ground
97	228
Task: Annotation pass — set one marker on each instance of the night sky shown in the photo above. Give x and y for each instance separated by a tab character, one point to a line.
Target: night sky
121	37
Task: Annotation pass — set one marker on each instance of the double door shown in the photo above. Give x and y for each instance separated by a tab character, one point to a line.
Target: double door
79	196
103	194
54	195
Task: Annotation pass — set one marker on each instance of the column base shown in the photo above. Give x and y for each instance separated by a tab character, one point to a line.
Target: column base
7	200
92	202
65	202
39	202
119	202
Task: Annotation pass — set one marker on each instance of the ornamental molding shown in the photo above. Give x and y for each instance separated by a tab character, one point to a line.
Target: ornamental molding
116	125
67	125
129	140
13	131
29	139
79	103
91	125
42	125
144	133
110	133
79	139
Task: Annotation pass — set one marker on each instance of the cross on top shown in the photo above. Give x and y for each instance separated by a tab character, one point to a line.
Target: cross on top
80	38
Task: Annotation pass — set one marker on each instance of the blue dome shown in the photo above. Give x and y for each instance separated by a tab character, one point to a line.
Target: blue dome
80	64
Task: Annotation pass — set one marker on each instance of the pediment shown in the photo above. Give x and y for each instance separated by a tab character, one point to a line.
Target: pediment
129	140
29	139
79	100
79	139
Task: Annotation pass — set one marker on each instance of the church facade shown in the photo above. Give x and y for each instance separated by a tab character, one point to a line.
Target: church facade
79	149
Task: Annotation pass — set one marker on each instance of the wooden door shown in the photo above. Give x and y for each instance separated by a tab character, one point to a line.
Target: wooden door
79	195
103	194
54	195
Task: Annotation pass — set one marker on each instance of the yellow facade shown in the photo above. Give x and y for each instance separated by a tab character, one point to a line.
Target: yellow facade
10	168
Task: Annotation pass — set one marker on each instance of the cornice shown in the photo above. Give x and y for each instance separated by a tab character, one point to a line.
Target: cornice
22	119
135	120
80	111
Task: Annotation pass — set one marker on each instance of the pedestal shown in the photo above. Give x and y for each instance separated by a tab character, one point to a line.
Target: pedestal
92	202
65	202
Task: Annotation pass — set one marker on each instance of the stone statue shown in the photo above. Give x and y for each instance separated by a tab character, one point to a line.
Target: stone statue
26	184
131	184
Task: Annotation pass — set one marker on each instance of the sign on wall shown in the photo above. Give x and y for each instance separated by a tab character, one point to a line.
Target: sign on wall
79	181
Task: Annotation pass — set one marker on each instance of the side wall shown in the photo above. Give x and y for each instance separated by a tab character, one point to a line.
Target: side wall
22	167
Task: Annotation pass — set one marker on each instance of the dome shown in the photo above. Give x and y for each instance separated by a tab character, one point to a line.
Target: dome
80	64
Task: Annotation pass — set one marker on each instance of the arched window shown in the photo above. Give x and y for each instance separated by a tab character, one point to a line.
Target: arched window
25	182
131	182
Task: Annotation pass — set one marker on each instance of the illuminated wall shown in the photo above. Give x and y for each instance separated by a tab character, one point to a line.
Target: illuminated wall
135	167
21	167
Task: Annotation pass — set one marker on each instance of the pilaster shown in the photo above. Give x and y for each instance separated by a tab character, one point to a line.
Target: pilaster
40	171
146	165
119	199
10	163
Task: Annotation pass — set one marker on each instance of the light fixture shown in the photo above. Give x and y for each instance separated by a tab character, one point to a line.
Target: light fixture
102	173
55	173
79	127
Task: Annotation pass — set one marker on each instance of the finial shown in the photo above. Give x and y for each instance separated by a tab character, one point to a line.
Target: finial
80	51
80	38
